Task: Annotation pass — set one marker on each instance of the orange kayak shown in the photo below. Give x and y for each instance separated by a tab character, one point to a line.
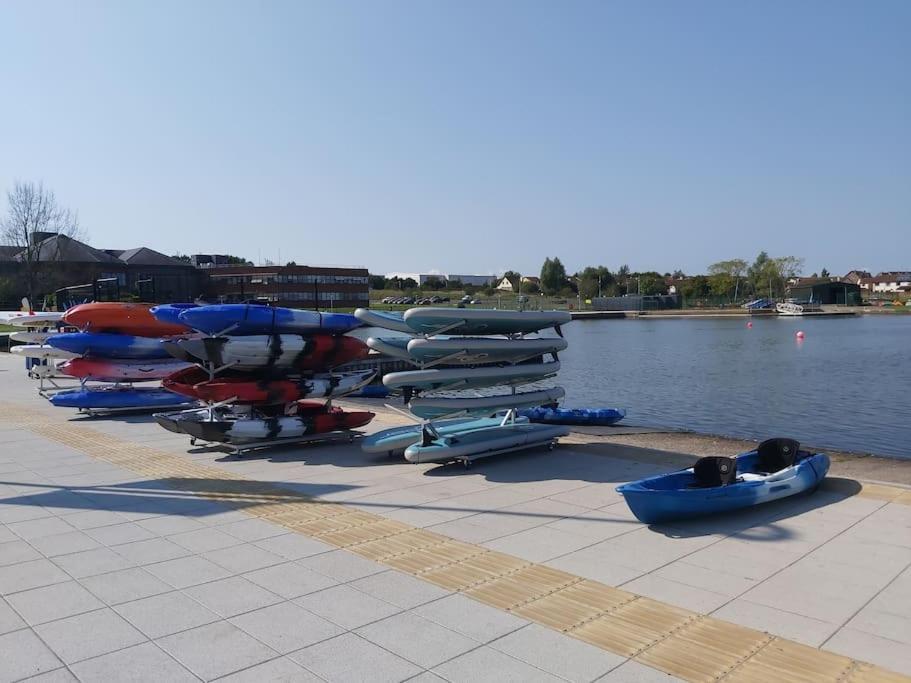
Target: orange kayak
122	318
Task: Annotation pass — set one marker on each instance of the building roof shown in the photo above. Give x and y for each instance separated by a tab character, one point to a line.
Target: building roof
63	248
816	281
143	256
8	253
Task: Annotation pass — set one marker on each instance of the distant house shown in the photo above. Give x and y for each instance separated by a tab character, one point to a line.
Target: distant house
531	280
505	285
894	281
855	277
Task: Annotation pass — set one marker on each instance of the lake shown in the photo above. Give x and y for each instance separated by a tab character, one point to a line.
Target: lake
846	385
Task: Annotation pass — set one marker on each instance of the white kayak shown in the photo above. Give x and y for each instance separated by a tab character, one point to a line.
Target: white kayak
480	321
29	337
432	408
43	352
453	379
35	319
481	350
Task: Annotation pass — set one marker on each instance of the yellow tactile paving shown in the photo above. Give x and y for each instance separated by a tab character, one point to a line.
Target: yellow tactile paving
680	642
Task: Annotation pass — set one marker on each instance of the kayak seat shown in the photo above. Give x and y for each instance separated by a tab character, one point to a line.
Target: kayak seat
714	470
776	454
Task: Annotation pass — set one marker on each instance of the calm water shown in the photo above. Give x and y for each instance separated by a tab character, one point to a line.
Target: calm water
847	385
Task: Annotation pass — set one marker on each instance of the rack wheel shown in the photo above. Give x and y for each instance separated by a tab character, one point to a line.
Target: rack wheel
466	464
192	440
552	445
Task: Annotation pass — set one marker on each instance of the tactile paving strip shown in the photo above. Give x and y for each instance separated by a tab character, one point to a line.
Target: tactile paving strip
674	640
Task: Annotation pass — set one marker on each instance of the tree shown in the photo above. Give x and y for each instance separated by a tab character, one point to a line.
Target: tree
678	274
409	283
696	287
34	209
434	283
824	273
377	281
722	284
650	283
553	276
727	276
183	258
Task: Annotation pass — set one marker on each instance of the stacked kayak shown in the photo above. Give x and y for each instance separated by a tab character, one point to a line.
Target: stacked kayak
41	360
117	344
777	469
453	388
594	417
254	365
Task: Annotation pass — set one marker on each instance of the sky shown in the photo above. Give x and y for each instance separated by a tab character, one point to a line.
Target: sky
470	136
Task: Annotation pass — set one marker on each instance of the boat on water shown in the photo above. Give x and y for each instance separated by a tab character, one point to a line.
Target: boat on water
776	469
792	308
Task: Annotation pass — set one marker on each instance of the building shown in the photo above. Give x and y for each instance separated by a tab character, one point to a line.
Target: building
825	291
422	278
506	285
475	280
79	271
855	277
889	281
292	286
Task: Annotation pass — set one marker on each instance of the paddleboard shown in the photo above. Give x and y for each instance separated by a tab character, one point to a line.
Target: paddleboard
42	352
112	398
121	318
278	351
105	370
42	319
105	345
31	337
479	443
399	438
432	408
481	321
478	351
452	379
251	319
389	320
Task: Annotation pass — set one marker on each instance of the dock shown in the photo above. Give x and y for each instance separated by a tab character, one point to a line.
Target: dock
126	553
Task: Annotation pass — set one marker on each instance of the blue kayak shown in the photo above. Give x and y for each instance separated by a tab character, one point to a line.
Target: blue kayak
169	313
575	416
112	398
776	469
104	345
243	319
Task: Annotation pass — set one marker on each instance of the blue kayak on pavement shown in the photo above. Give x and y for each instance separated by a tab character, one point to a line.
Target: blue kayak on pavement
776	469
574	416
104	345
114	398
250	319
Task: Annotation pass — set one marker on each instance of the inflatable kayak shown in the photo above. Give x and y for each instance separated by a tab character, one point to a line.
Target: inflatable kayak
480	443
229	428
105	345
475	321
105	370
121	318
399	438
195	382
112	398
432	408
395	347
776	469
277	351
478	351
574	416
388	320
242	319
437	379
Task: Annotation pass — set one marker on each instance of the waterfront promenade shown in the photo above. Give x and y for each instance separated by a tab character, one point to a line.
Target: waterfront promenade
128	554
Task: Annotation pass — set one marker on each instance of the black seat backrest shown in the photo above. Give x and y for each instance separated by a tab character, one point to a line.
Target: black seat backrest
776	454
715	470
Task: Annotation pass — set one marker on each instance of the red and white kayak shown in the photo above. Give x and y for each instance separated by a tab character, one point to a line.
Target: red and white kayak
195	383
113	370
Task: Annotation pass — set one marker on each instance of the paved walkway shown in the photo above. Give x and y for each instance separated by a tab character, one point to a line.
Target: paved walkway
136	566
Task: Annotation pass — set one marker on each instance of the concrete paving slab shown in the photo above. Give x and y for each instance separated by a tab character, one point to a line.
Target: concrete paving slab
342	565
892	654
164	614
88	635
634	672
39	605
216	650
282	669
286	627
493	666
553	652
64	544
151	551
9	620
14	552
32	574
36	528
416	639
204	539
772	620
125	585
290	580
347	607
118	534
144	662
293	546
399	589
470	618
187	571
349	657
25	655
232	596
245	557
91	562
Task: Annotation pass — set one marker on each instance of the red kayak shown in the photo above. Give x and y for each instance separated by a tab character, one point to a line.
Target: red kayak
121	370
195	383
121	318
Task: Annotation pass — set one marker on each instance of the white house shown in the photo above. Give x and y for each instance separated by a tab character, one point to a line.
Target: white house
505	285
889	282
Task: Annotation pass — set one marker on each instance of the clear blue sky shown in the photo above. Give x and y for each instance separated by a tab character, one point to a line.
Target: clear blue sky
470	136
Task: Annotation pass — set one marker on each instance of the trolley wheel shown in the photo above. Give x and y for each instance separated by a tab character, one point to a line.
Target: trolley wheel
192	440
466	464
351	438
552	445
